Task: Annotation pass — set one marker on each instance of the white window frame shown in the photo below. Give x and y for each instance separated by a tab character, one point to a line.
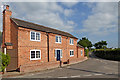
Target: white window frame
35	36
81	52
58	39
35	55
61	53
73	53
72	43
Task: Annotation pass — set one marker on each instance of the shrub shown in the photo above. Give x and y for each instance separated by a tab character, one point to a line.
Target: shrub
111	54
87	52
4	61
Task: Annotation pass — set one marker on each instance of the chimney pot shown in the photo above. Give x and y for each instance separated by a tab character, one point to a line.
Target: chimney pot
7	7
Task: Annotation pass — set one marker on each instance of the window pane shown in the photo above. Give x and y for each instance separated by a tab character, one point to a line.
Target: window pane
32	35
72	52
32	54
70	41
55	53
81	52
37	36
61	53
59	38
37	54
56	38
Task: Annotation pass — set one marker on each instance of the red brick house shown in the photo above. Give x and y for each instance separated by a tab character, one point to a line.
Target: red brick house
35	47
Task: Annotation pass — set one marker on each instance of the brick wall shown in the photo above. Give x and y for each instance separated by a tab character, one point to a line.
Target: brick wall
39	66
79	52
12	50
25	45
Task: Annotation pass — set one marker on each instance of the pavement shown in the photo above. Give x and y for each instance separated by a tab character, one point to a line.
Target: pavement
91	68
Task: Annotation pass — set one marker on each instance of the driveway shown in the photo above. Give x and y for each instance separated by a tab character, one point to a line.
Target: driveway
92	68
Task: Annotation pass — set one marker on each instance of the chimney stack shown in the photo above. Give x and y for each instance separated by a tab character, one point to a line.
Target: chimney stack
7	7
6	26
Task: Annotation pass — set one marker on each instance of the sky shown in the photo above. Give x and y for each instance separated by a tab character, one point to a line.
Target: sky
95	20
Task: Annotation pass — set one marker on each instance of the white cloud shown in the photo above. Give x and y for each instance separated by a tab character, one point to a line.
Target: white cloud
103	20
68	12
69	4
44	13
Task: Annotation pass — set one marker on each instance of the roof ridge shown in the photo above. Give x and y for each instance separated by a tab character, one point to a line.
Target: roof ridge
31	25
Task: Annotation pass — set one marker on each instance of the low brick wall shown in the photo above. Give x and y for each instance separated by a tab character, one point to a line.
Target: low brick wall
39	67
77	60
48	65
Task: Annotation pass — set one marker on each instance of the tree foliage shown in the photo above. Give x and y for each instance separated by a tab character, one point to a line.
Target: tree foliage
4	61
100	45
85	42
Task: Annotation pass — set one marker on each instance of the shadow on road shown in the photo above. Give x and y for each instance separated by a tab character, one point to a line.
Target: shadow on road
93	71
91	55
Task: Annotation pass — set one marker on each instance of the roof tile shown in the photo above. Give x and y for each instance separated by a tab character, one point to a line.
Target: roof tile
29	25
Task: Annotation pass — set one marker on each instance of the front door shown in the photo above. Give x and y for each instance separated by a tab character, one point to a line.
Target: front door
58	55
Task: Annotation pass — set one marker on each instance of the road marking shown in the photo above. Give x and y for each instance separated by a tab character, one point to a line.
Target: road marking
75	76
98	74
62	77
87	75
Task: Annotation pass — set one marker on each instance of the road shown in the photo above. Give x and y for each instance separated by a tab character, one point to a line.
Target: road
92	68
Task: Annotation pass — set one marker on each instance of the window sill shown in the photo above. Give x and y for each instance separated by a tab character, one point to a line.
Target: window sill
35	40
71	55
58	42
71	44
36	59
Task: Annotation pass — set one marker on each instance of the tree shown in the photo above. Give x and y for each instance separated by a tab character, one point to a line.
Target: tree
4	61
100	45
85	42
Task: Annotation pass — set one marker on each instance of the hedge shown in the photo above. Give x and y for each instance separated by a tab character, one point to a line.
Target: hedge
110	54
87	52
4	61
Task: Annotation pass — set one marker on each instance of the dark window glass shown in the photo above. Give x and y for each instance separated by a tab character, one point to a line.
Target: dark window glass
32	35
37	36
32	54
37	54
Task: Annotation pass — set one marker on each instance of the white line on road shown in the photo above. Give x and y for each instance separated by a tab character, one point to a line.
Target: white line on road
75	76
98	74
62	77
87	75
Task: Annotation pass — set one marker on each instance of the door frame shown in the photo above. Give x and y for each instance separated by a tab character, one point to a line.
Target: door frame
60	54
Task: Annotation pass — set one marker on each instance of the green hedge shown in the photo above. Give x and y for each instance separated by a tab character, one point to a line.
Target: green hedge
4	61
108	54
87	52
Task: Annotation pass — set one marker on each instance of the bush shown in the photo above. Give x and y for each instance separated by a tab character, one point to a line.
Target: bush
110	54
86	52
4	61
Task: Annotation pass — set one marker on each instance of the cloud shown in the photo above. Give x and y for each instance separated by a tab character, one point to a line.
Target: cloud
69	4
44	13
68	12
103	20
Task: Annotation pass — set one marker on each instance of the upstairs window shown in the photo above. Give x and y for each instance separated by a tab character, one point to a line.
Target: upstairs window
58	39
34	36
71	41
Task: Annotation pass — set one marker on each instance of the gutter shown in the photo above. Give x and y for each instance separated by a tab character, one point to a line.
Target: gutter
48	45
